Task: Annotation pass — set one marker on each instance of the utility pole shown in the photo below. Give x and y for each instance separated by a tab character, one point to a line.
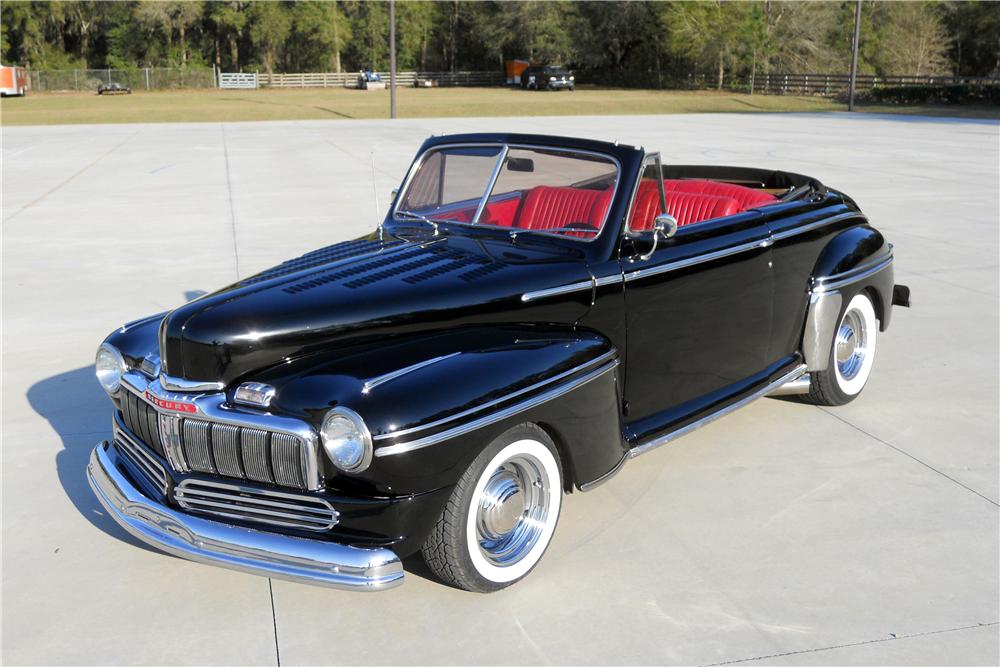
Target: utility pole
392	59
854	55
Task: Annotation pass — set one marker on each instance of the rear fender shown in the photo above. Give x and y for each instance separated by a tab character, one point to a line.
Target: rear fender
855	260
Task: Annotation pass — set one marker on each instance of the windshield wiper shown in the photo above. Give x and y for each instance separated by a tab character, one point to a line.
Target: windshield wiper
577	230
422	218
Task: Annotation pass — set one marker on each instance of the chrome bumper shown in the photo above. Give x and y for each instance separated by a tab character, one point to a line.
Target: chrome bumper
268	554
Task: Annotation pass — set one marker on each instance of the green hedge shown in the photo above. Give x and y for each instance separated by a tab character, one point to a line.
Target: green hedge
968	93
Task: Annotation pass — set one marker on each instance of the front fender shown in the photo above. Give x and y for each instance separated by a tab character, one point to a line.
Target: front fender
433	402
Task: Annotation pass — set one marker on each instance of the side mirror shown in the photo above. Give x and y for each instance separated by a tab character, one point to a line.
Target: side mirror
664	226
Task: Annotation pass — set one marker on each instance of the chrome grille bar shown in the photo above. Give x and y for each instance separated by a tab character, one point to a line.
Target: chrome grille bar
256	454
142	459
196	447
256	505
226	449
285	460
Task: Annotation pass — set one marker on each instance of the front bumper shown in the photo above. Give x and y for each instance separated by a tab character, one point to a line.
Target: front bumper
268	554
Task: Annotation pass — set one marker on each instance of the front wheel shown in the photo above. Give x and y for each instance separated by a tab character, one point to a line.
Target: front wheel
851	357
501	515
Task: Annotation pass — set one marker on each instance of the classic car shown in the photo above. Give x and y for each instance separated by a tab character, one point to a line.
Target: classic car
113	88
532	313
549	77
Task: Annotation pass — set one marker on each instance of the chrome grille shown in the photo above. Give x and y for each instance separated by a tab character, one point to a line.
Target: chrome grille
258	505
142	419
216	448
142	460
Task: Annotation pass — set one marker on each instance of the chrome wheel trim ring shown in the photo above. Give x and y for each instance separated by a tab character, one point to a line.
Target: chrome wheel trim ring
854	345
513	511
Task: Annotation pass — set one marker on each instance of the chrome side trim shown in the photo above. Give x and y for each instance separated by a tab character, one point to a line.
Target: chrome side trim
382	379
787	233
838	280
614	279
499	415
180	384
556	291
700	259
503	399
590	486
796	387
708	419
296	559
821	326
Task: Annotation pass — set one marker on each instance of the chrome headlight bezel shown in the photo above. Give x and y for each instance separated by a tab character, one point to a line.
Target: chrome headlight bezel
361	436
110	375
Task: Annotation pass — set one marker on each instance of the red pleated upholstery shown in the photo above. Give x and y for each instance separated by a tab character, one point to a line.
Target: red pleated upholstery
747	197
547	207
686	207
500	213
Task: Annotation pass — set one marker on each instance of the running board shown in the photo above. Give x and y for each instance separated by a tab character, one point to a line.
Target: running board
789	377
798	386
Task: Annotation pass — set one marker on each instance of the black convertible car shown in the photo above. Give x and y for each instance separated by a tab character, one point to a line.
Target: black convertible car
533	313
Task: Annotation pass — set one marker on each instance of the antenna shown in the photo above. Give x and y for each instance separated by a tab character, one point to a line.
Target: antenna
379	219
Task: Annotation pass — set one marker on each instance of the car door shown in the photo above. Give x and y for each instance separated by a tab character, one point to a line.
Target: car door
698	314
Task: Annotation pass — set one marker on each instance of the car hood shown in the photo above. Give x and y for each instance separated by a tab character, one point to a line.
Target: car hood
359	291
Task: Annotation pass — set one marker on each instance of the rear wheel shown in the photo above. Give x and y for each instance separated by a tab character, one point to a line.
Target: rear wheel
851	356
501	515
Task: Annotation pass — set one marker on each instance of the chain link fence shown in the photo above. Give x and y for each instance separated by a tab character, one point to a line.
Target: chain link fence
147	78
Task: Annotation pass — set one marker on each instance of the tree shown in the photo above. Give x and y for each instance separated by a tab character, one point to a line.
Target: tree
706	32
911	39
83	19
319	32
229	19
270	23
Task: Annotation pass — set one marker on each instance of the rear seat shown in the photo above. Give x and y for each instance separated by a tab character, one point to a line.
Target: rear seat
546	207
687	208
747	197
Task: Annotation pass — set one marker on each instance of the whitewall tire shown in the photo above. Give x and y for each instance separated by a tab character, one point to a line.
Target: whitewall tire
852	355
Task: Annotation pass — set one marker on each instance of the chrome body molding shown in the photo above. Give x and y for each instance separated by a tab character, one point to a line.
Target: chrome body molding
556	291
590	486
180	384
821	325
838	280
700	259
796	387
388	377
795	231
296	559
494	417
797	372
212	407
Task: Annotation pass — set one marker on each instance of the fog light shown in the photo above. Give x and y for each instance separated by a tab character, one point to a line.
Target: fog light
109	367
347	440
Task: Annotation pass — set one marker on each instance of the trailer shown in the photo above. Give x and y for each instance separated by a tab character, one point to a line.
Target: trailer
14	81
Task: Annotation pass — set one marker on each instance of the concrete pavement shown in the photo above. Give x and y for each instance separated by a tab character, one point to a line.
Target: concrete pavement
783	534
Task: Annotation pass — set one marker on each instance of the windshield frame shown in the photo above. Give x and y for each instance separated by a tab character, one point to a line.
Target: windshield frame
494	175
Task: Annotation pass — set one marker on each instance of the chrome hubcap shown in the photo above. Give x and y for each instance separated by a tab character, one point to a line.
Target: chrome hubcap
852	345
513	510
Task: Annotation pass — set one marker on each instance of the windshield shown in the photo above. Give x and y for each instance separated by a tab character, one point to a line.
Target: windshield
523	189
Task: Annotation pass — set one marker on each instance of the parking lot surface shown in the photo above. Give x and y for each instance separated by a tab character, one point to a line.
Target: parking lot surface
783	534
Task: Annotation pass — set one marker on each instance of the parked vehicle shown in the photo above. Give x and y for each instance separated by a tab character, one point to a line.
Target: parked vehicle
113	88
549	77
368	80
533	313
14	81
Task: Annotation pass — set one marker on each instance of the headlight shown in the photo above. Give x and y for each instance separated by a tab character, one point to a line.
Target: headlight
572	78
552	78
109	366
346	440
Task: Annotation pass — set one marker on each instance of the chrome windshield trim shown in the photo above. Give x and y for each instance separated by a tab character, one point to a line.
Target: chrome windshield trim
500	415
180	384
555	291
700	259
786	233
404	189
492	184
795	373
388	377
838	280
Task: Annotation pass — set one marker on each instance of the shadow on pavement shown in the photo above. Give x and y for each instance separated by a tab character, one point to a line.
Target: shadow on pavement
79	412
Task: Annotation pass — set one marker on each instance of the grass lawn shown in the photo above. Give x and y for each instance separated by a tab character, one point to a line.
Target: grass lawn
334	103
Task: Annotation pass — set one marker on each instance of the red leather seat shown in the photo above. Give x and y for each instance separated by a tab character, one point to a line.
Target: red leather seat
687	208
500	213
747	197
547	207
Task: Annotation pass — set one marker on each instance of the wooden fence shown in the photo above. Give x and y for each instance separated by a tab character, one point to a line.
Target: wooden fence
834	84
350	79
